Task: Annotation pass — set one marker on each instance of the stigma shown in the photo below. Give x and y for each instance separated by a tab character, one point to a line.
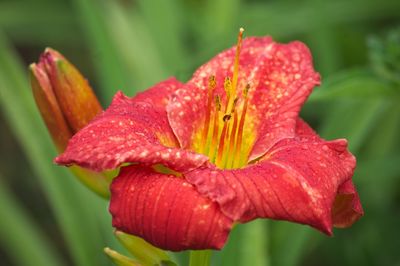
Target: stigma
224	124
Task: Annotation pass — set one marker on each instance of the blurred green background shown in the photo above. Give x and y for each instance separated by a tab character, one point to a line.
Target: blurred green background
48	218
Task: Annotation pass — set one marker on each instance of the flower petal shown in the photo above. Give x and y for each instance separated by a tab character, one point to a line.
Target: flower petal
159	95
347	208
298	180
166	211
130	131
281	77
284	83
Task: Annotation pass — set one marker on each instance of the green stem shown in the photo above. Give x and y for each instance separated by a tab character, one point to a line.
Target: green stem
200	258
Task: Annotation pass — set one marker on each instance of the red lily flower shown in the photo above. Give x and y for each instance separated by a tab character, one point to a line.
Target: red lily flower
227	146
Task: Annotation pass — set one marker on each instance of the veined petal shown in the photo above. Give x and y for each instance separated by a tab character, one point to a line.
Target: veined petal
347	207
159	95
284	83
298	180
166	211
130	131
281	76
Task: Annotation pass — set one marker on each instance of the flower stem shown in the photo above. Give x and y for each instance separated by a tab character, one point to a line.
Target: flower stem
200	258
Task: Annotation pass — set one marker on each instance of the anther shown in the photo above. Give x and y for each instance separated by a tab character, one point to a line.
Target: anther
218	102
212	83
211	86
234	104
246	90
226	118
227	85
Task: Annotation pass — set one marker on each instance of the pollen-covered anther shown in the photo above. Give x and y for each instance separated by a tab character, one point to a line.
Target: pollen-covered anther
212	83
226	117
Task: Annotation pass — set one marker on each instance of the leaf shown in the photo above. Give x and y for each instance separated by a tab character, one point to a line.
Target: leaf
20	237
354	84
106	59
254	245
267	17
135	46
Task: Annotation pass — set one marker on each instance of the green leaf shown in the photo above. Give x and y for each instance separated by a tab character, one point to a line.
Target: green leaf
354	84
18	18
290	242
200	257
136	47
106	59
20	237
352	120
282	18
254	245
166	31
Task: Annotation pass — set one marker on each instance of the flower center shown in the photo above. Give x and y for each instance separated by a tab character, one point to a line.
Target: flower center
223	131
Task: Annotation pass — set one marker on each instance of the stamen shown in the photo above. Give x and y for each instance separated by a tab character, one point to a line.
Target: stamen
211	86
237	158
235	74
222	141
227	88
232	138
214	138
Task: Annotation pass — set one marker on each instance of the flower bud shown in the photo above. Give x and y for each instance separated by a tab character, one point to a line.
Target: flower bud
61	91
119	259
67	103
49	108
144	252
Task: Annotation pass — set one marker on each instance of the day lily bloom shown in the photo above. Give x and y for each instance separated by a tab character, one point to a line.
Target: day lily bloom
226	147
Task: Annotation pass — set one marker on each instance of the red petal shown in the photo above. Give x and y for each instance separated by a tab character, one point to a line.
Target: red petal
159	95
347	208
297	181
281	78
284	83
166	211
130	131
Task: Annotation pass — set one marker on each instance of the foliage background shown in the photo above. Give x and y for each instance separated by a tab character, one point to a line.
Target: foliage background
48	218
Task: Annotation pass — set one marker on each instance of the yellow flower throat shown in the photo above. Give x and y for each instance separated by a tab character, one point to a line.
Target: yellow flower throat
221	137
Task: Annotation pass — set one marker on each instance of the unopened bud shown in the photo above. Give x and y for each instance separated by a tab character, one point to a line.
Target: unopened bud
48	106
119	259
74	94
143	251
67	104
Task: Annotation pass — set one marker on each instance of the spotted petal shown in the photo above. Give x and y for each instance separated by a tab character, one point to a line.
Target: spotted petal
131	131
300	180
347	207
166	211
281	77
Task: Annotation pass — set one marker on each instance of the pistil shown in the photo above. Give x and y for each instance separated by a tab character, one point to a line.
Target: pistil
235	74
